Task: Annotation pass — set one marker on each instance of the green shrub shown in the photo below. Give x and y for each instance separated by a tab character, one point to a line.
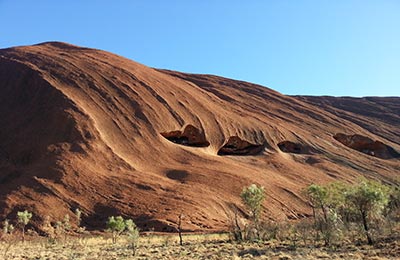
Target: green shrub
369	199
326	202
116	225
253	197
23	219
7	227
133	235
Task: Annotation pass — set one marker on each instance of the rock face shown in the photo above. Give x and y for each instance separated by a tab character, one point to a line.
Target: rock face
80	128
367	145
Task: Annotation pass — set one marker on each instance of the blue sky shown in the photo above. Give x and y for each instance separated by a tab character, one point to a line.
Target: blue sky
321	47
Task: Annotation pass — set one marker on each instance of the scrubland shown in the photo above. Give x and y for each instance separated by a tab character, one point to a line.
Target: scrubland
199	246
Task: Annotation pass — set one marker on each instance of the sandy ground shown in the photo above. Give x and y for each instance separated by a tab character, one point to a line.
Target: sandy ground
195	247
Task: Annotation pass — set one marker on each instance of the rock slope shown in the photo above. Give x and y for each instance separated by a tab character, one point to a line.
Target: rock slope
86	128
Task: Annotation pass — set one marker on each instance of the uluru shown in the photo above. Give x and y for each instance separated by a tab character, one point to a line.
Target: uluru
85	128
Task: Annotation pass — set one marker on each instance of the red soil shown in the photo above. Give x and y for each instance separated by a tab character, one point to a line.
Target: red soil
82	128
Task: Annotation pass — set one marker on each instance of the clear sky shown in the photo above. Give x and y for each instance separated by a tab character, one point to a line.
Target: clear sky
320	47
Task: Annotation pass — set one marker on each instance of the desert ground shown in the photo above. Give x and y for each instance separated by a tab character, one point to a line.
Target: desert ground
196	246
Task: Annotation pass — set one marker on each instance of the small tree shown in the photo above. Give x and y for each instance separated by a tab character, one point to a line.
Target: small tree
66	226
116	225
7	227
318	199
23	219
318	196
253	197
7	238
180	229
326	202
368	198
133	235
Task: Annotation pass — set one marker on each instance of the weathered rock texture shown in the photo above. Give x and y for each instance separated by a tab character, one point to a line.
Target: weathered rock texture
81	127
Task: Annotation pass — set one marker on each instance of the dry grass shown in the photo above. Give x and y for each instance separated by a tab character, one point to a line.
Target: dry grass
210	246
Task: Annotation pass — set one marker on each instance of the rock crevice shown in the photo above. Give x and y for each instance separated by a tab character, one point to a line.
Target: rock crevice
190	136
236	146
367	145
292	147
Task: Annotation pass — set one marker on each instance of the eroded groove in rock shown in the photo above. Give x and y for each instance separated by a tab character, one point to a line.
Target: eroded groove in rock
190	136
236	146
367	145
291	147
